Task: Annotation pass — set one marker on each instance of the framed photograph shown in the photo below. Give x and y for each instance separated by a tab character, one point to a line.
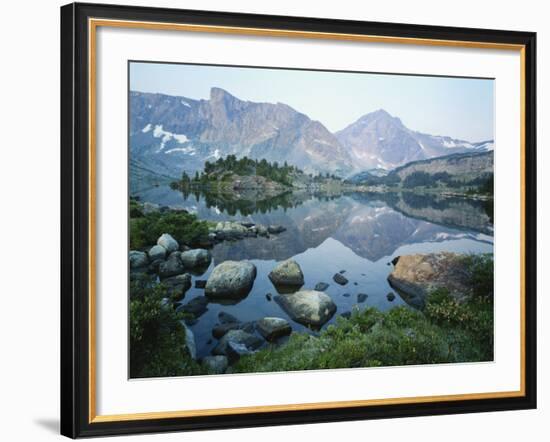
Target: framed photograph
274	220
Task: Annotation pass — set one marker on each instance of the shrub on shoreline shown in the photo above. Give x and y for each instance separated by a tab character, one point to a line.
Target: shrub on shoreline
183	226
157	337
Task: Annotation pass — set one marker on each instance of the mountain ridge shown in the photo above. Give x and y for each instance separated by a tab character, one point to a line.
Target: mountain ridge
171	134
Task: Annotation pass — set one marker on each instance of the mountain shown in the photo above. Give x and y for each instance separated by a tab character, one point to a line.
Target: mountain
463	167
473	168
171	134
380	140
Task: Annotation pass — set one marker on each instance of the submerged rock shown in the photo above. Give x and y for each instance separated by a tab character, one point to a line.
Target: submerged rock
321	286
227	318
272	328
138	260
390	296
200	283
196	307
340	279
196	258
231	279
415	276
362	297
308	307
168	242
215	364
287	273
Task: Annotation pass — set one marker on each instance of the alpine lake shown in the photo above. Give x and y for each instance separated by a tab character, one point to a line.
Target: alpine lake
356	234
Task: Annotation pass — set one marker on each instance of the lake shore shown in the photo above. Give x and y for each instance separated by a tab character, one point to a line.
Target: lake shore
281	348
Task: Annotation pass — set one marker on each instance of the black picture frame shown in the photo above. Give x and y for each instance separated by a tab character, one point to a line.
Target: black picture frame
75	220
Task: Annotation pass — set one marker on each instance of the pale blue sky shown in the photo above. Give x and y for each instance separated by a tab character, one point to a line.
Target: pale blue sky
457	107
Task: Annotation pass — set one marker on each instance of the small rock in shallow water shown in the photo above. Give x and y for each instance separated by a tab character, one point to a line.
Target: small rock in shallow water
342	272
390	296
176	286
226	318
355	283
200	283
340	279
272	328
196	307
268	296
321	286
362	297
346	295
219	330
346	315
276	229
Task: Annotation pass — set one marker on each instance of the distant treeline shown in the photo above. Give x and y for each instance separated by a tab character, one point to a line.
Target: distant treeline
482	184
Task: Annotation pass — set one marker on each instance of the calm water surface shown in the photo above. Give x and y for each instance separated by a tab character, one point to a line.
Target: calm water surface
358	233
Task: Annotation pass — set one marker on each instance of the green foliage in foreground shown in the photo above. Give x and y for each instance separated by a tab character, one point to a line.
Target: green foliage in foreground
157	338
184	227
371	338
448	332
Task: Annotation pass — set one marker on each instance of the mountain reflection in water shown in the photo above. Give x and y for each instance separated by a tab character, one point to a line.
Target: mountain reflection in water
356	232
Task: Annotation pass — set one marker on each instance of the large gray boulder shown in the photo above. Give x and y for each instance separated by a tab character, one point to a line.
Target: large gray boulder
172	266
168	242
415	276
230	280
287	273
308	307
157	252
196	258
138	260
215	364
240	341
272	328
